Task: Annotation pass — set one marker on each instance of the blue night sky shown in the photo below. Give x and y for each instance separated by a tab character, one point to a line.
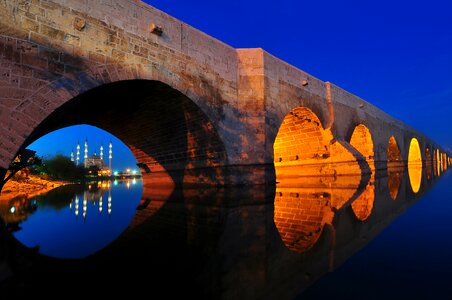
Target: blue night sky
64	140
395	54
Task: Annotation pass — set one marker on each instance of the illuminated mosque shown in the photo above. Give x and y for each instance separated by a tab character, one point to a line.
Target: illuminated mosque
95	161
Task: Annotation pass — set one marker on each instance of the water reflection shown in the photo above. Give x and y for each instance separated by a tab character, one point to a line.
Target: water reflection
394	181
300	215
363	205
56	215
428	169
243	243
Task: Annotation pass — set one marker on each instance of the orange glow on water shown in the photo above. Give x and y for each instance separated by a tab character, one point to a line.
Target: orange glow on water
300	216
303	209
394	181
363	205
415	165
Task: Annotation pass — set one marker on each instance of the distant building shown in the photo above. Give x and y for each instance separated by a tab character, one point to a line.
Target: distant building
94	163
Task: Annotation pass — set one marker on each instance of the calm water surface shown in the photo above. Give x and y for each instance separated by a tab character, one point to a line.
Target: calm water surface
316	238
75	221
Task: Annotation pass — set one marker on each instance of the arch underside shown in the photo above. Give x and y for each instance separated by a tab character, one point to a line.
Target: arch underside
171	138
303	148
415	165
362	141
395	159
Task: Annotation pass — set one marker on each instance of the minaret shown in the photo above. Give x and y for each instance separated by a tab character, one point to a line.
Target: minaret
78	154
72	155
110	156
101	152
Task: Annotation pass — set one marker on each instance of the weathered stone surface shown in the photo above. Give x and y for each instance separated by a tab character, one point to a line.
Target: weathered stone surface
225	106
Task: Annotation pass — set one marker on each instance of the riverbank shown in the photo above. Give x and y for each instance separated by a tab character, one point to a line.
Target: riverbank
31	187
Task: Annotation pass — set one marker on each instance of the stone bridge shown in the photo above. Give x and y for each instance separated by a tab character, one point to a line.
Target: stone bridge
192	109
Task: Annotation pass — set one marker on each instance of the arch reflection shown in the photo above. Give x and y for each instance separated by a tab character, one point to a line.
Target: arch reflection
394	181
301	212
415	165
300	217
363	205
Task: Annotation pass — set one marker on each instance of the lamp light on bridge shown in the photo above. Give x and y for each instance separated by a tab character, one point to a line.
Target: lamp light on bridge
79	24
155	29
144	167
304	82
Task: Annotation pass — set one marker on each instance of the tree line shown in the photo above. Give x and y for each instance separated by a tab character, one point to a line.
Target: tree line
59	167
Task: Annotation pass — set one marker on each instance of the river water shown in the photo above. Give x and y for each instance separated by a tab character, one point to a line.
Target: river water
75	221
317	239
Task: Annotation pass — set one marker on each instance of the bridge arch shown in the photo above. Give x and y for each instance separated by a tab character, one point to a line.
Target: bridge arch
415	165
428	155
394	154
300	137
303	142
361	139
169	134
438	162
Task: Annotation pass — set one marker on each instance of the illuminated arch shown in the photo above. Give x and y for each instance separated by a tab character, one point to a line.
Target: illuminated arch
415	165
300	137
303	142
394	160
438	163
428	156
362	141
393	150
